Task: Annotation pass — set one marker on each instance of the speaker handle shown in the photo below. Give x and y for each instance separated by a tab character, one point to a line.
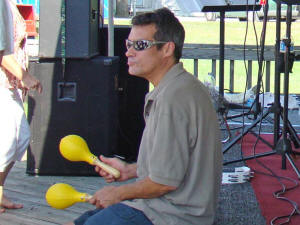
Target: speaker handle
66	91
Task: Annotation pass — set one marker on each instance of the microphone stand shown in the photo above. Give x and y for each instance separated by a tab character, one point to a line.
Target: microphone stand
282	146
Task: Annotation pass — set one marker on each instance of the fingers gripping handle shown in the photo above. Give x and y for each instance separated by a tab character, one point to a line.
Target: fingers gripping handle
107	168
86	197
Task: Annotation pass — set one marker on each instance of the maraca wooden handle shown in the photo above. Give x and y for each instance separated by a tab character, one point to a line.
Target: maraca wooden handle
87	197
107	168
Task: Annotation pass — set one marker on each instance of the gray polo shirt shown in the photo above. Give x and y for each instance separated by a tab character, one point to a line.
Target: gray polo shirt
180	147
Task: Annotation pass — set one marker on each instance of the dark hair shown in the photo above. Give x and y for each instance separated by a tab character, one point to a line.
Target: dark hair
167	25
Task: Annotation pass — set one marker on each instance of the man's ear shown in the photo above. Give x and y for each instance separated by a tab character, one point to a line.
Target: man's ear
169	49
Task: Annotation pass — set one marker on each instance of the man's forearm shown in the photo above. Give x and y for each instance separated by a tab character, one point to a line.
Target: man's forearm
145	189
9	63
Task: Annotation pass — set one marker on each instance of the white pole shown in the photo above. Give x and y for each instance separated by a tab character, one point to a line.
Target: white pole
110	27
134	7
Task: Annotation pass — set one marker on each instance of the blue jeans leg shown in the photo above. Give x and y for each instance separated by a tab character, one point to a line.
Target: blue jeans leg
118	214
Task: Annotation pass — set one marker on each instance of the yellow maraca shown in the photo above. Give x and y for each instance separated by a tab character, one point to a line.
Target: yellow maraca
74	148
61	196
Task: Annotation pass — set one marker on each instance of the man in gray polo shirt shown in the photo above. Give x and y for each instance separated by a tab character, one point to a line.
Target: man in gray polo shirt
179	164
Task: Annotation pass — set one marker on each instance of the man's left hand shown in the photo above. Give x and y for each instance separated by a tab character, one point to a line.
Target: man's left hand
105	197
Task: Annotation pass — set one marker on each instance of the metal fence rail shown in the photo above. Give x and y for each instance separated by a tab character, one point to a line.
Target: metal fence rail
233	53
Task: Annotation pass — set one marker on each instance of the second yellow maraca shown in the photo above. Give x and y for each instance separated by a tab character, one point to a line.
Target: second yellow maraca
61	196
75	148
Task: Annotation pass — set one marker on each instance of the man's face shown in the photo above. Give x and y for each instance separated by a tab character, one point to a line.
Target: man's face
146	62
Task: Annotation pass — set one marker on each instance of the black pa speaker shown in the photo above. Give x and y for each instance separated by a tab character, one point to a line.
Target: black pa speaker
81	31
132	91
83	102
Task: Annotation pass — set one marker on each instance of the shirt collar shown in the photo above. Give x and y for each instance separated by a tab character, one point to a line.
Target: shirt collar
175	71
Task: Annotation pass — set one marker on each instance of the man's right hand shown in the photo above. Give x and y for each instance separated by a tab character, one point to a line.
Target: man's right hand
28	81
31	83
127	171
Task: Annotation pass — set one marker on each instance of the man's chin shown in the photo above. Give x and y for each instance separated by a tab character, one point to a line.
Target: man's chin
133	73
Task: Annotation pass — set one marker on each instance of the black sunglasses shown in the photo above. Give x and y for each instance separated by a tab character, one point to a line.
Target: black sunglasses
141	45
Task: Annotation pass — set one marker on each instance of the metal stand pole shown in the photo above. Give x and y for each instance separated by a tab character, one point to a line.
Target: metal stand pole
222	53
277	77
284	145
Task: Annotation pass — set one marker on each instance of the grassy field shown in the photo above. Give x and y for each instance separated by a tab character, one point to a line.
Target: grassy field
204	32
235	32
